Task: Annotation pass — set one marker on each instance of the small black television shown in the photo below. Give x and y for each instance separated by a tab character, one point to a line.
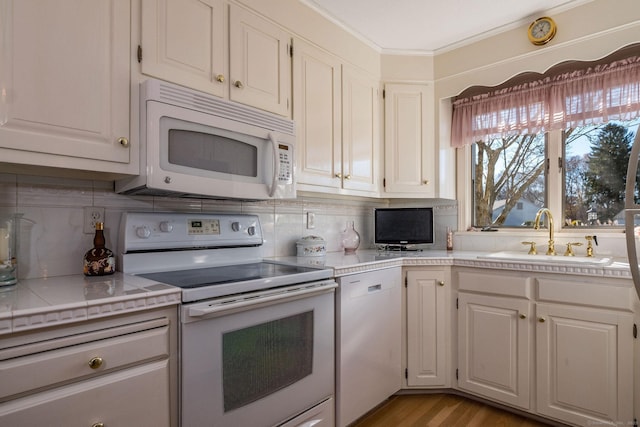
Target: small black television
403	226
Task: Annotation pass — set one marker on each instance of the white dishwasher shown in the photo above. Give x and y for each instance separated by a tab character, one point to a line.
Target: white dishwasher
368	342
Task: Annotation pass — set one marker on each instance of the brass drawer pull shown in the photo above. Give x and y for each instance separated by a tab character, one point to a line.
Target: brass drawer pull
95	362
523	316
97	425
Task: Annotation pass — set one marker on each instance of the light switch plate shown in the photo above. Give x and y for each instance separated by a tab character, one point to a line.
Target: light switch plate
311	220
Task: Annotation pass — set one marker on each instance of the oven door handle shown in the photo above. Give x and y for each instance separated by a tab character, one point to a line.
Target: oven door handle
243	302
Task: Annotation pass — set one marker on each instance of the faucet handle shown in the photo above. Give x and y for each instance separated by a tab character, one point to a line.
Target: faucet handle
532	247
589	245
569	251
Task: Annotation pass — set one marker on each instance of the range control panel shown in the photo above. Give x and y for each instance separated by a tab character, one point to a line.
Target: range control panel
147	231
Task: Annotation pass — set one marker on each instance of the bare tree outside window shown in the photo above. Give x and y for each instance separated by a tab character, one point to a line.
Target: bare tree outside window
510	184
507	171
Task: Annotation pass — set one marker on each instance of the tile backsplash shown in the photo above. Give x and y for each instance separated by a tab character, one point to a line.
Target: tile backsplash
52	242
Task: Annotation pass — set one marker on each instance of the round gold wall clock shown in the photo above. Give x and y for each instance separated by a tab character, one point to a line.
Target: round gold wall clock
541	31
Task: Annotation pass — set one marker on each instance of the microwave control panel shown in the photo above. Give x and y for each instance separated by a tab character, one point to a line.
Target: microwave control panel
285	174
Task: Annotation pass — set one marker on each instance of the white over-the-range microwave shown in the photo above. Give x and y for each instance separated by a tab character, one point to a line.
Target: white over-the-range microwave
195	144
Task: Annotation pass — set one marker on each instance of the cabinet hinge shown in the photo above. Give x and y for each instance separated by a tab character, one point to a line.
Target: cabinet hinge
383	93
406	282
139	53
635	331
406	373
456	303
291	50
635	422
456	373
384	182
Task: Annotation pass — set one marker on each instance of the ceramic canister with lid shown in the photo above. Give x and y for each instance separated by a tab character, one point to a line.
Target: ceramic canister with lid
311	246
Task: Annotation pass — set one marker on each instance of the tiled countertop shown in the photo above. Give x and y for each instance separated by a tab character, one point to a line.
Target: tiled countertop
37	303
367	260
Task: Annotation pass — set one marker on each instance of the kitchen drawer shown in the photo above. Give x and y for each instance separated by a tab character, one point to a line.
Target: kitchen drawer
499	284
132	397
586	293
38	369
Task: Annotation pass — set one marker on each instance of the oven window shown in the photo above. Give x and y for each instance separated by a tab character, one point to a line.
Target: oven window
262	359
216	153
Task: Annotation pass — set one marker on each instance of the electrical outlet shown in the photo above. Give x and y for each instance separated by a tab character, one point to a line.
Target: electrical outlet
92	214
311	220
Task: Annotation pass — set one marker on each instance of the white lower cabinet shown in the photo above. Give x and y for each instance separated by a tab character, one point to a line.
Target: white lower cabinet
120	371
567	341
427	322
585	365
494	339
134	397
367	341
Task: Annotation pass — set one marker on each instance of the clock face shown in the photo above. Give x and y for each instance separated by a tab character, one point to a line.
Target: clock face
542	30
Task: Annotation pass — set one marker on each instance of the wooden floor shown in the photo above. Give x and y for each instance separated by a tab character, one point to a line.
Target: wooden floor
418	410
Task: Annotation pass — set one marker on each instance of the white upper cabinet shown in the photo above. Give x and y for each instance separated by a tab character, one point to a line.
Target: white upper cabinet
318	116
337	118
186	42
64	84
409	168
260	62
360	135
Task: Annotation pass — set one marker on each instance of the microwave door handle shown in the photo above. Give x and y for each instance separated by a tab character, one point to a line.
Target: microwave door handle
276	163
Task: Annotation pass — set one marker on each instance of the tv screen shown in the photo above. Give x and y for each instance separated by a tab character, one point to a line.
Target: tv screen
403	226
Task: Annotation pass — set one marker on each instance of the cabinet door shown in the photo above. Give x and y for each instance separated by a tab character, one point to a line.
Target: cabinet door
65	76
494	342
360	139
260	63
426	328
585	365
409	141
317	113
185	42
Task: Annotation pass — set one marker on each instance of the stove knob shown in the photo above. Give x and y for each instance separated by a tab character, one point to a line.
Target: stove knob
235	226
143	232
251	230
166	227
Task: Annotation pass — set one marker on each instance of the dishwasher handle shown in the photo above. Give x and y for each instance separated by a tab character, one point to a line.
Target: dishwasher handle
375	288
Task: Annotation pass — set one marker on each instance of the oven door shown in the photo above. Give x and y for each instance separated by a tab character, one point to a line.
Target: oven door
258	361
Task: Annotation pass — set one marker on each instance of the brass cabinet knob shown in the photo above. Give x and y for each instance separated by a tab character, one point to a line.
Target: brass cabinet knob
441	283
523	316
238	84
338	175
425	182
123	141
541	319
95	362
220	78
97	425
347	177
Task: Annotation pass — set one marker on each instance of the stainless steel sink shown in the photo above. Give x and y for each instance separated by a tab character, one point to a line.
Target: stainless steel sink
547	259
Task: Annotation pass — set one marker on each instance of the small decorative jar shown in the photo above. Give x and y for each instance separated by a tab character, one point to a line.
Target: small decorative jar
350	239
311	246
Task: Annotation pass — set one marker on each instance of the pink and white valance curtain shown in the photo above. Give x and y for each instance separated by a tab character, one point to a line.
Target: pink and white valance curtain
586	96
